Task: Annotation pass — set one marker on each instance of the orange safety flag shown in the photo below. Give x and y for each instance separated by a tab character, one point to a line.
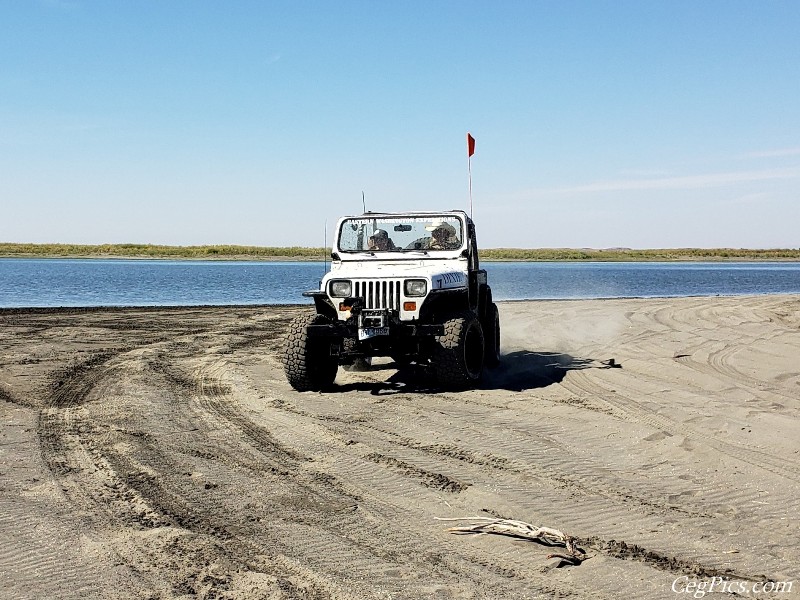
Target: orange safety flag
470	145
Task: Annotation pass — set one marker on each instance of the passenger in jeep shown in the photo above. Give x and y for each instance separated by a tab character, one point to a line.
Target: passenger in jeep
443	236
379	240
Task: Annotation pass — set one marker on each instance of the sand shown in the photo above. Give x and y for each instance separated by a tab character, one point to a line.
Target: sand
160	453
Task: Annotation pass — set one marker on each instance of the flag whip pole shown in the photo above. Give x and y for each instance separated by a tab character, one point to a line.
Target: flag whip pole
470	152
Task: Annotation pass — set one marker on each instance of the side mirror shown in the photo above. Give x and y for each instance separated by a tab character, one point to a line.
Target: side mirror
334	255
465	253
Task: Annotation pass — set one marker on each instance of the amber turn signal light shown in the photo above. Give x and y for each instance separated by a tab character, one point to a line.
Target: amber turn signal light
344	307
409	306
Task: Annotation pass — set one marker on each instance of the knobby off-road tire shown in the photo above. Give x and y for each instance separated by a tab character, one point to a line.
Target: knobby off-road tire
491	336
306	360
458	354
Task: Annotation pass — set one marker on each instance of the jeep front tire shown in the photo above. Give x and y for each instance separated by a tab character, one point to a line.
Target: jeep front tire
307	361
459	354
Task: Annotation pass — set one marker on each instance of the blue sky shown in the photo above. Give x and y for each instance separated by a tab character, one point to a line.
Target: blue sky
598	124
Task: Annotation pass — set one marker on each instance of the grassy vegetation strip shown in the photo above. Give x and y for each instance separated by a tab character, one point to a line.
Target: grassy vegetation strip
158	251
303	253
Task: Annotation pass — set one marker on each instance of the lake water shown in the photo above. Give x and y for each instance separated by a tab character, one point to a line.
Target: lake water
96	282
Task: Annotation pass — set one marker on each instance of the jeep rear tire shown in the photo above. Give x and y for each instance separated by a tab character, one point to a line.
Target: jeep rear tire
401	360
356	364
491	336
458	354
307	361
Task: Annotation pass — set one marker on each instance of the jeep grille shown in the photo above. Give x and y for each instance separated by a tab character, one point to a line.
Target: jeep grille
378	294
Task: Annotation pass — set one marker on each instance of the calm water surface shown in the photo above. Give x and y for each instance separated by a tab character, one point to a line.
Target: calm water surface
94	282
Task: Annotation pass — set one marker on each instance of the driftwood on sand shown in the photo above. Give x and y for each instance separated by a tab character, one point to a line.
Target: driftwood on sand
574	555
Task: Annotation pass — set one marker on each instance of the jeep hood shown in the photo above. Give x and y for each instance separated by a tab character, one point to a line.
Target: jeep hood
442	274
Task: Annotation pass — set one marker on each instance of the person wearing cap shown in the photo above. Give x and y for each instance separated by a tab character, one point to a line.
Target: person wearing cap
443	236
379	240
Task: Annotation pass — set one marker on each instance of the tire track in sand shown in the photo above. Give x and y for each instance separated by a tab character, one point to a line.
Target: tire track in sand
334	548
452	453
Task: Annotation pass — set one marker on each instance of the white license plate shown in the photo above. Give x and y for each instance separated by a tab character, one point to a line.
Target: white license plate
370	332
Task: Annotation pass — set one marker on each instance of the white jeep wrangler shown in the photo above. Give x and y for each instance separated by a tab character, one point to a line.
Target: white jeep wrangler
403	285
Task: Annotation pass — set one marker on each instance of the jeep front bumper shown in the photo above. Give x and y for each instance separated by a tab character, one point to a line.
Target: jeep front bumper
347	329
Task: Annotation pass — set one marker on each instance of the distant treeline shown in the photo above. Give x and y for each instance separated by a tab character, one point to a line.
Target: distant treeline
157	251
303	253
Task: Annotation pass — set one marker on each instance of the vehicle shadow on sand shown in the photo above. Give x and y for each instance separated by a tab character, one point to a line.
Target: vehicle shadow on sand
526	370
518	371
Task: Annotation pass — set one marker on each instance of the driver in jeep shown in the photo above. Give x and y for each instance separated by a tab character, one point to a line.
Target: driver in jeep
443	236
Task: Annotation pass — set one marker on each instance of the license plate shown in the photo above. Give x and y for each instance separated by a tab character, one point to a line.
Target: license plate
370	332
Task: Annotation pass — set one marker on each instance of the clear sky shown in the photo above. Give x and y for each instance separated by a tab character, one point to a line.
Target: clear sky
598	124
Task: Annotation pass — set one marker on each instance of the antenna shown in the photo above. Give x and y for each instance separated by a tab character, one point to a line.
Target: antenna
363	201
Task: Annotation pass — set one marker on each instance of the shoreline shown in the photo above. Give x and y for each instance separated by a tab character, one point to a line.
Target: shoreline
247	258
12	310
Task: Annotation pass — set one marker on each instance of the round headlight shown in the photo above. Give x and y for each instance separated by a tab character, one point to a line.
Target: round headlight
341	289
416	287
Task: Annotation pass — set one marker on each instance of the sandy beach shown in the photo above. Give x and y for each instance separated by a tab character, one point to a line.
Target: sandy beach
160	453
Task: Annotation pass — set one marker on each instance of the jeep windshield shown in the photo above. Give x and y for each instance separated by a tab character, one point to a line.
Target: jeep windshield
429	233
